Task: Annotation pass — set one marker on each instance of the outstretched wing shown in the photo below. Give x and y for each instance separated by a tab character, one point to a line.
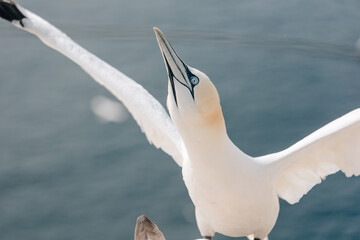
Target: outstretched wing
333	147
146	110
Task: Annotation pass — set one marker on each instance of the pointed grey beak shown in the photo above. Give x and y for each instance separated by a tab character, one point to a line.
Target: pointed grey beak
176	68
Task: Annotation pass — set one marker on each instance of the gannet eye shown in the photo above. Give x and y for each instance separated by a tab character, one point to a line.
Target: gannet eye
194	80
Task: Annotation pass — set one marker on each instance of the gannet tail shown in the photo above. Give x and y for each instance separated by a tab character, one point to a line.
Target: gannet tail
146	110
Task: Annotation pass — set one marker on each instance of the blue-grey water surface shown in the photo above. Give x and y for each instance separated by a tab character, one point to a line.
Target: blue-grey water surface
282	68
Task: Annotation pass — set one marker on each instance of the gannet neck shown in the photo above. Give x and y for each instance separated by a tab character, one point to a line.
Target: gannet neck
202	129
208	144
200	122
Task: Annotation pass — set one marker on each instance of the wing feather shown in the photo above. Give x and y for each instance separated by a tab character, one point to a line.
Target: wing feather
146	110
334	147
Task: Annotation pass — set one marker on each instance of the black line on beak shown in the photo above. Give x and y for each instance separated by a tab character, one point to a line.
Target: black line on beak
185	74
181	72
171	79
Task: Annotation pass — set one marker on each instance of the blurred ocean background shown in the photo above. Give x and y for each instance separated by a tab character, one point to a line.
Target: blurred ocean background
282	68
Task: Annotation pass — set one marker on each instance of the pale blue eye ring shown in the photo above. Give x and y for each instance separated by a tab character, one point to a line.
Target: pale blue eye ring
194	80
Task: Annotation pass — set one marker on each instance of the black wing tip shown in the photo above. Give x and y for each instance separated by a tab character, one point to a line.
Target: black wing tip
10	12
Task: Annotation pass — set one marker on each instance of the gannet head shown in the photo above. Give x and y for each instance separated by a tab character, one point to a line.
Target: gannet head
192	97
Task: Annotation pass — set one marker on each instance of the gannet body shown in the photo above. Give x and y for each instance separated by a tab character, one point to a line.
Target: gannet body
231	193
234	194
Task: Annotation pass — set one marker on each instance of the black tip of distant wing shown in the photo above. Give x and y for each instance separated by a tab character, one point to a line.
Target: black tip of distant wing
10	12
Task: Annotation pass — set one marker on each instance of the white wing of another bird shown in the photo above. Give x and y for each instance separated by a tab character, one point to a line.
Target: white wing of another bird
146	110
334	147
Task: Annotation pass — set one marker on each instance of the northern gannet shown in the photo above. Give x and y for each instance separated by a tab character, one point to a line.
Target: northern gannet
234	194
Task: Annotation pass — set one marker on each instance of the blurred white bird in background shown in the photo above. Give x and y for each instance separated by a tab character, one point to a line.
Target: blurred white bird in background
108	110
234	194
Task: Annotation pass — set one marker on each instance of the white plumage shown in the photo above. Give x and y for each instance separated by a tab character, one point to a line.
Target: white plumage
158	128
333	147
233	193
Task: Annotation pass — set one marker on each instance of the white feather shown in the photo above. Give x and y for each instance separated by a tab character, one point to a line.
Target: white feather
146	110
333	147
228	195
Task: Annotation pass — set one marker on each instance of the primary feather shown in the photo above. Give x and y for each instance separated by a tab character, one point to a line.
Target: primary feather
146	110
